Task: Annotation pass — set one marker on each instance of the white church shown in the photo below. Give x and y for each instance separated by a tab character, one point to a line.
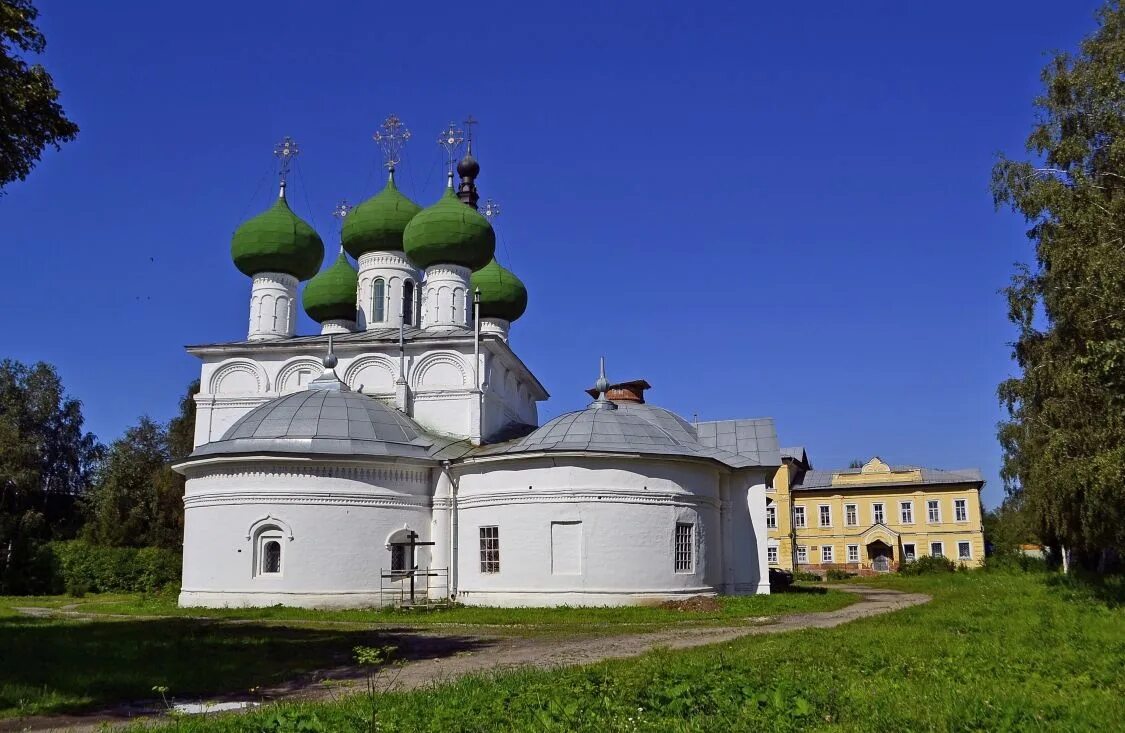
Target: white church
399	451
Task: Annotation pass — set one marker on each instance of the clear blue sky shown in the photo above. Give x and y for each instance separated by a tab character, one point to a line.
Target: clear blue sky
762	209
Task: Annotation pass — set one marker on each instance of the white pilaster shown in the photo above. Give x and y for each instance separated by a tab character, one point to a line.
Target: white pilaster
445	297
441	533
273	298
394	270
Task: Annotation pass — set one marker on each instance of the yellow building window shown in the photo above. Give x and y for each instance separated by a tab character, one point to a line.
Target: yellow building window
799	517
961	510
933	511
906	511
851	515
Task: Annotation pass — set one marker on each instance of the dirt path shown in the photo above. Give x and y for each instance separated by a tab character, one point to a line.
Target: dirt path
498	653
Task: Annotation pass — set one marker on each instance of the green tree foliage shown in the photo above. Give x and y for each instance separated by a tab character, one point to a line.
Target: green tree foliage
137	500
46	464
30	115
1064	444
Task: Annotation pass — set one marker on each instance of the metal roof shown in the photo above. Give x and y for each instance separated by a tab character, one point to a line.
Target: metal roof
410	333
930	476
754	438
631	428
322	422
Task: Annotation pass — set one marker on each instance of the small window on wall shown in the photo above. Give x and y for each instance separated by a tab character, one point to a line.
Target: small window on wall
771	555
907	510
933	511
771	517
826	553
378	301
408	303
937	549
802	554
825	515
908	552
799	517
960	510
851	515
877	514
490	549
268	552
964	551
685	547
853	553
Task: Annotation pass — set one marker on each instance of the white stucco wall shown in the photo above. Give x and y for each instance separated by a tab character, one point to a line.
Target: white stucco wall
441	380
335	521
620	552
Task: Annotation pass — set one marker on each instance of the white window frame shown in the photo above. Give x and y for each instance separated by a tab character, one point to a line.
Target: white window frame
878	513
827	554
968	552
771	555
906	512
910	554
933	511
265	536
799	516
683	555
853	553
824	515
961	510
851	515
490	549
941	549
771	517
802	554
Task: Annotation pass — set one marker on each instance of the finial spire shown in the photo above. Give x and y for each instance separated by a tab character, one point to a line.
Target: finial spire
328	381
390	137
468	169
468	123
285	151
343	208
450	139
602	385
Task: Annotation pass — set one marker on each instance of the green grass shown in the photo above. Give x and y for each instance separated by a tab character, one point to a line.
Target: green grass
54	665
1006	651
543	619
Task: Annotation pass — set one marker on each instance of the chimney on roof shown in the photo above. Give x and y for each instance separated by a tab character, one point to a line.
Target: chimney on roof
633	391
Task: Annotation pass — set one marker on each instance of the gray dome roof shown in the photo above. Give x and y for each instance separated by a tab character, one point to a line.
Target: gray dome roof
631	428
336	422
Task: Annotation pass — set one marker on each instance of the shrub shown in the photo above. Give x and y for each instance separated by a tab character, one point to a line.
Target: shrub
79	566
838	574
806	576
926	565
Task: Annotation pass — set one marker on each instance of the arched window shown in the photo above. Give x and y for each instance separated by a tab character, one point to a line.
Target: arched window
267	550
408	303
271	557
378	300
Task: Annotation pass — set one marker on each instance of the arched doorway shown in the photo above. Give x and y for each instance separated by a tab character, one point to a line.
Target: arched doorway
402	553
881	555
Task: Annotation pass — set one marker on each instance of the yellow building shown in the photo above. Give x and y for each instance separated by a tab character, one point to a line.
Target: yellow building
871	519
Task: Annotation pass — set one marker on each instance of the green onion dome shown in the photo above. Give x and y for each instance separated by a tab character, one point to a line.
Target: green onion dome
449	233
502	294
277	240
331	294
377	224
